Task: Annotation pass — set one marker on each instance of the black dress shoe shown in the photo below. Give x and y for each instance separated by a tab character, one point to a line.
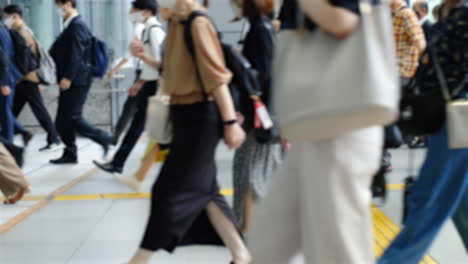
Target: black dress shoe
108	167
27	136
65	159
105	146
17	153
114	141
51	147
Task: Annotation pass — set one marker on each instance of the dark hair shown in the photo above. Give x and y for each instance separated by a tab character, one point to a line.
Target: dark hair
423	5
13	9
253	8
73	2
436	11
150	5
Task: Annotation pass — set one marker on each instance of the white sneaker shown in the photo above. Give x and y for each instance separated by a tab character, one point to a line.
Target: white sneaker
131	182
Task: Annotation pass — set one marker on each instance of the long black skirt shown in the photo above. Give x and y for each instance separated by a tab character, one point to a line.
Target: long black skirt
187	182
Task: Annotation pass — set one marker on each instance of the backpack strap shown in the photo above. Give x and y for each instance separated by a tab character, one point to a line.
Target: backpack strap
148	41
188	37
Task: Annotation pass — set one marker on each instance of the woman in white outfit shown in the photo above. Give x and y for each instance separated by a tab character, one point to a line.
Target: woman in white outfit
319	204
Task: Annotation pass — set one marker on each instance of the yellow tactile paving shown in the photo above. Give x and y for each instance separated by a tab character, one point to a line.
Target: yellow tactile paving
399	186
385	229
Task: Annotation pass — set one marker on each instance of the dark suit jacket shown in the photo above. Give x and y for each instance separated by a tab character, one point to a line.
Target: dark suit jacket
427	28
3	66
6	44
72	53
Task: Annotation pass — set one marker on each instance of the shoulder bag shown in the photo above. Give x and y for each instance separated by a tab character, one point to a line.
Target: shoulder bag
333	86
158	124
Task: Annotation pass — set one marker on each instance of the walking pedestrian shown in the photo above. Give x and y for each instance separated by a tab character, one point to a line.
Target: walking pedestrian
186	206
72	55
261	154
28	89
144	11
440	192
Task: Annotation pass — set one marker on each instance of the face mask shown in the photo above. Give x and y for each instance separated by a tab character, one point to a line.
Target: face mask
8	22
236	9
133	19
137	17
167	3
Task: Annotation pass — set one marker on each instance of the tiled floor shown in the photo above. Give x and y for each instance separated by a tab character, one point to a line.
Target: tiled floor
107	231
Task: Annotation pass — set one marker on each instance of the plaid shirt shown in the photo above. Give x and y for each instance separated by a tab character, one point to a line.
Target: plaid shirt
407	32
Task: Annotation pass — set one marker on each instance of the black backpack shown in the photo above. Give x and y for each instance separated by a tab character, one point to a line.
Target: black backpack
245	80
24	58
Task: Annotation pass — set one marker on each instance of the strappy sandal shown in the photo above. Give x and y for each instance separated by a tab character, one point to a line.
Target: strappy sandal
18	196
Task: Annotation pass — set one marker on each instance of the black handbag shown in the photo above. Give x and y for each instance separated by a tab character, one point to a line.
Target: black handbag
421	112
423	105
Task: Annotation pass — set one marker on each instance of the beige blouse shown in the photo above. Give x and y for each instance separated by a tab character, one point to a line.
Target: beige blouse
179	72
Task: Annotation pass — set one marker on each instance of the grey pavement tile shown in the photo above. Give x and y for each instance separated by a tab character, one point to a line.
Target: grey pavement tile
36	229
37	252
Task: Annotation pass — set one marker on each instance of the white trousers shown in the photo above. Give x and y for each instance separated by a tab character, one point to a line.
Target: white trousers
319	203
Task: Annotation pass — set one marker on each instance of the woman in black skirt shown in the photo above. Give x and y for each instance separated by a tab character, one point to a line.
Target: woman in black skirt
186	206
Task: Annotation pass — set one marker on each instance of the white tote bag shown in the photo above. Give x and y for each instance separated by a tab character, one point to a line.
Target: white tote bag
457	122
158	124
325	87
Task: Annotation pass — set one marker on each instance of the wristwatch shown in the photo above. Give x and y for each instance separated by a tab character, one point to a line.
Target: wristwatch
230	122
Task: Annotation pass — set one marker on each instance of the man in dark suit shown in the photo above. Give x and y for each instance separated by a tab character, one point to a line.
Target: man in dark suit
8	121
15	151
72	54
421	8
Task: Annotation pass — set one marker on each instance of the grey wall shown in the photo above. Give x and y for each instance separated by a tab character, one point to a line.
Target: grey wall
108	20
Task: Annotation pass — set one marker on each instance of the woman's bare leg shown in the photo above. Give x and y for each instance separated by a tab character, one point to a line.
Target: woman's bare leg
248	210
229	234
142	256
147	163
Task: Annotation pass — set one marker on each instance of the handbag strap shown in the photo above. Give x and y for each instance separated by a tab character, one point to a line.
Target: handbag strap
190	45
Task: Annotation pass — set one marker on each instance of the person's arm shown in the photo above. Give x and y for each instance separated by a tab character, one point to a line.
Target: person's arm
29	40
5	60
156	39
337	21
117	68
5	89
414	30
136	87
234	135
77	49
138	50
215	77
3	66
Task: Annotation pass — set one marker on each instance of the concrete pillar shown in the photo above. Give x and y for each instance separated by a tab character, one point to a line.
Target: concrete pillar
44	21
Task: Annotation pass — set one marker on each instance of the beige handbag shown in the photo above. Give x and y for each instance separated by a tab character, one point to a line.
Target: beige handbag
325	87
457	122
158	123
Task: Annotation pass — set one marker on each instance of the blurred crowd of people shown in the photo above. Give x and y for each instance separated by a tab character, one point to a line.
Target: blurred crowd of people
293	192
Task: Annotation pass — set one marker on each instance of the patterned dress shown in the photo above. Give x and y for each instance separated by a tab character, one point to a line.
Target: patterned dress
254	165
